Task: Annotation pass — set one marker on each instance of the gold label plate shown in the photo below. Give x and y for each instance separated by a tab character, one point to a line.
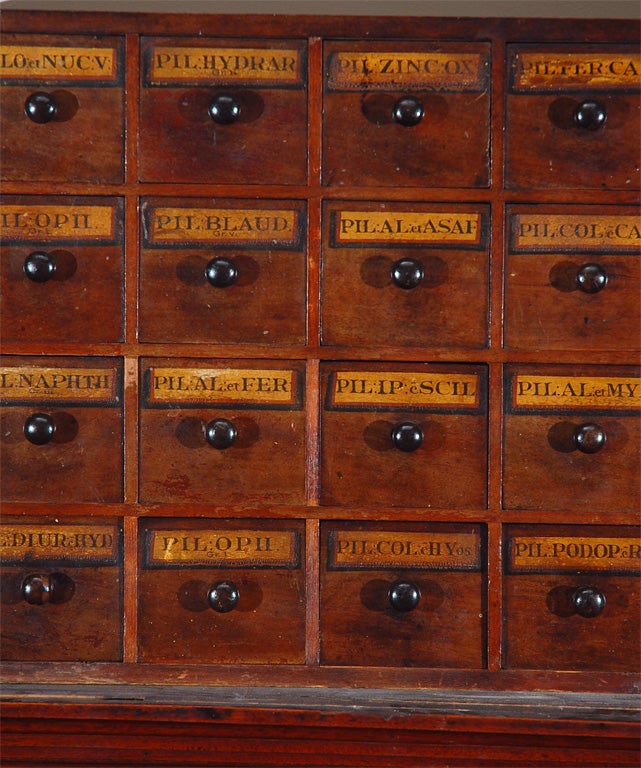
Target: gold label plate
570	71
459	70
220	547
76	543
57	222
575	232
594	392
400	388
402	549
60	63
551	553
222	225
242	386
407	227
35	383
172	64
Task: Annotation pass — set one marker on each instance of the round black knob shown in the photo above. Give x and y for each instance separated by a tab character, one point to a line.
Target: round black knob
37	589
590	115
221	273
408	111
41	107
223	597
404	596
589	438
406	273
220	434
588	602
39	266
224	109
591	278
39	428
407	437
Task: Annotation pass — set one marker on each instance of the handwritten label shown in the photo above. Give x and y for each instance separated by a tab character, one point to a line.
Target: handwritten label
53	62
575	232
609	392
528	553
78	543
460	70
249	548
224	385
247	225
569	71
402	549
243	66
34	383
407	227
57	222
397	388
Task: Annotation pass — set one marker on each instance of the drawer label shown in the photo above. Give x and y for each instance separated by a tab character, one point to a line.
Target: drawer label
231	548
571	71
407	227
54	62
78	543
551	553
611	392
58	222
575	232
376	389
419	70
251	386
170	226
35	383
401	549
170	64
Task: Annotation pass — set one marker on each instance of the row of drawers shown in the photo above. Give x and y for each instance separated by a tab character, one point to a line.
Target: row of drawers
235	271
391	594
394	113
391	434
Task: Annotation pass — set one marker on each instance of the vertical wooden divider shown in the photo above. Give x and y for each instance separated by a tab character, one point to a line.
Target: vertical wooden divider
130	406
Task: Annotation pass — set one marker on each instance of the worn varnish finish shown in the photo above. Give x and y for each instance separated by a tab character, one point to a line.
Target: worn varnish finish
334	324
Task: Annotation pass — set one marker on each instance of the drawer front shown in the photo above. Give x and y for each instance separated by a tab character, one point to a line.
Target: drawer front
572	598
222	592
224	111
62	269
222	432
573	278
230	271
572	438
62	108
406	114
572	117
402	595
62	429
390	433
423	269
61	590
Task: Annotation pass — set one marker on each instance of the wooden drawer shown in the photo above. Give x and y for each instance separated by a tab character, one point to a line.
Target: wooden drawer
572	598
61	590
61	269
223	271
573	278
62	429
572	116
391	434
406	114
222	592
223	111
62	108
423	269
571	438
402	595
222	432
